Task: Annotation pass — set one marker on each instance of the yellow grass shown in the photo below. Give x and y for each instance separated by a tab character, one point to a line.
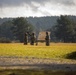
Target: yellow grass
55	50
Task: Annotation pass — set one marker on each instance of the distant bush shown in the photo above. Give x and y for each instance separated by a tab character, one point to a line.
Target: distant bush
5	40
71	55
15	41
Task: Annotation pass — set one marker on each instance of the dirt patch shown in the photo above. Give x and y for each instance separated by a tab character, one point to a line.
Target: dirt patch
37	63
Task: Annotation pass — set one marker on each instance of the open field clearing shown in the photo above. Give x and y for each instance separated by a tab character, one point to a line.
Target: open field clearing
15	56
55	50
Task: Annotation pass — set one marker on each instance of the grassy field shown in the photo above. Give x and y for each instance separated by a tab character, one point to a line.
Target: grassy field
55	50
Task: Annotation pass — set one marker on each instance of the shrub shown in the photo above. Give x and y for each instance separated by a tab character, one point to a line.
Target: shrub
5	40
71	55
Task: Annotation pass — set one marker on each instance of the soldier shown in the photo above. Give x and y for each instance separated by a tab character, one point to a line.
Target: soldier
36	41
47	39
32	39
25	39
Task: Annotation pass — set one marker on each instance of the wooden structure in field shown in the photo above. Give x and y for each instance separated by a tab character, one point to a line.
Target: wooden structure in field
42	36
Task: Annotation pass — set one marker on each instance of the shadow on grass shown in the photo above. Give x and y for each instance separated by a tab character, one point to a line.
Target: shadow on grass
71	56
35	72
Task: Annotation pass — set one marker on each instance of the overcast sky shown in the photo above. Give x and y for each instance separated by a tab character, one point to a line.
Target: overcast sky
25	8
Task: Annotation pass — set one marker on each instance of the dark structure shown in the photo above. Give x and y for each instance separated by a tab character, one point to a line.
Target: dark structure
47	39
32	39
25	39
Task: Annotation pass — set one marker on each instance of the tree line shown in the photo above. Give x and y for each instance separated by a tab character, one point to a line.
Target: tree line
63	28
14	30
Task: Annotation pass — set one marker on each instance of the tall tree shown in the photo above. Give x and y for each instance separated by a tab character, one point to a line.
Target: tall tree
5	29
65	29
20	27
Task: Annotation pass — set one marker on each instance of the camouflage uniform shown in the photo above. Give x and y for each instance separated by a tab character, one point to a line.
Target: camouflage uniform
47	39
25	39
32	39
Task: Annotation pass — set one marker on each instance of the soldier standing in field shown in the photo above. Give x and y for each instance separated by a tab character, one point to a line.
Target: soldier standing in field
47	39
25	39
32	39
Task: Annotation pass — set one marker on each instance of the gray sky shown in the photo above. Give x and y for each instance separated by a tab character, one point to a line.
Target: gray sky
25	8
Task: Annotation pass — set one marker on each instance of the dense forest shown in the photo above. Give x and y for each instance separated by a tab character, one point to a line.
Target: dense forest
41	23
37	24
